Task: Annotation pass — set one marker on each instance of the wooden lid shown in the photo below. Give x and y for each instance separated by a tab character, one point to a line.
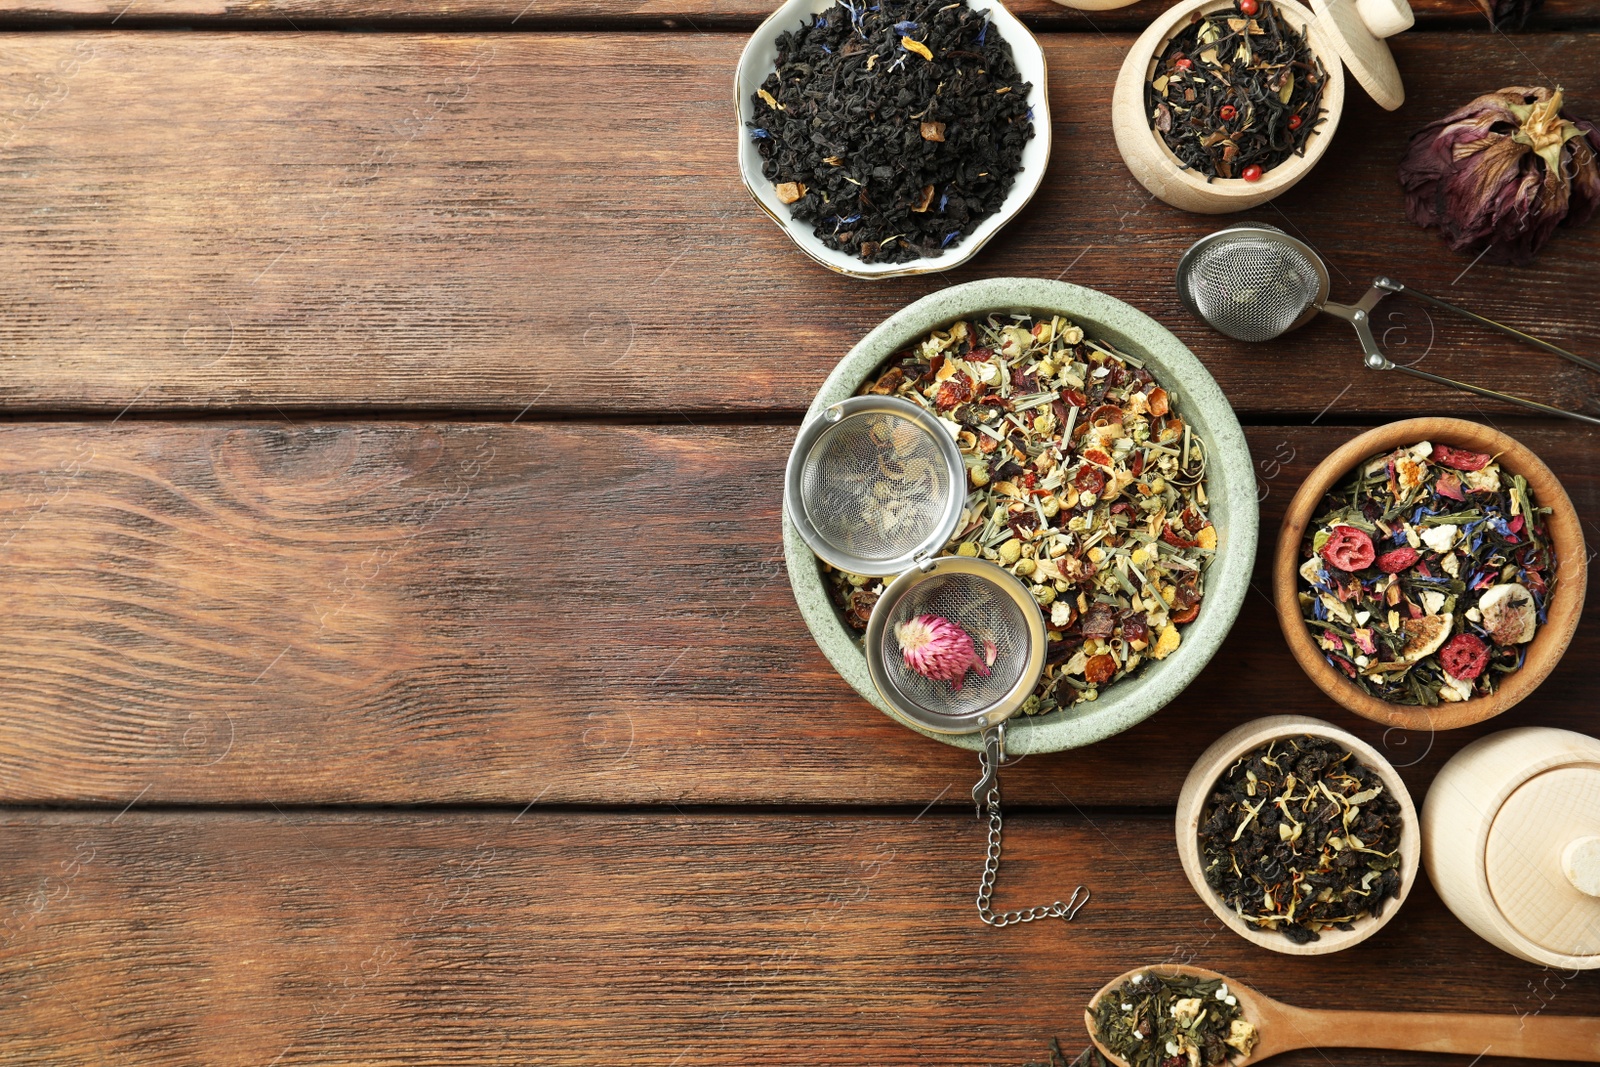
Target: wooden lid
1358	28
1542	858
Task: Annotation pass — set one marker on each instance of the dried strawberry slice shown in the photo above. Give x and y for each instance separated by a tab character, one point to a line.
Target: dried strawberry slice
1464	656
1349	549
1398	560
1459	458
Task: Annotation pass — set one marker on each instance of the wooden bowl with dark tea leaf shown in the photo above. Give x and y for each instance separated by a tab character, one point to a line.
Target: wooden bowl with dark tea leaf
1316	806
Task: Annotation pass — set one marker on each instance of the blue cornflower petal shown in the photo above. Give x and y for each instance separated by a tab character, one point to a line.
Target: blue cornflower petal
758	133
943	200
852	220
984	31
822	21
951	236
826	50
904	27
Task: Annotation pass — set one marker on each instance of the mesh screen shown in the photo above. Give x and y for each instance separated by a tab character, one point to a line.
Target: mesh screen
1250	289
987	614
875	486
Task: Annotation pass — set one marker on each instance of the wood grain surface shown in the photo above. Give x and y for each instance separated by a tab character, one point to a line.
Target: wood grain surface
206	612
570	938
553	223
667	14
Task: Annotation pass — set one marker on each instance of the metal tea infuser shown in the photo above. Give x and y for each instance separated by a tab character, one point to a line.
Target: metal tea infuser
876	486
1254	282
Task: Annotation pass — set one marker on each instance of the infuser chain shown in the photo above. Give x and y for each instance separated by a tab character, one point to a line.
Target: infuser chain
991	756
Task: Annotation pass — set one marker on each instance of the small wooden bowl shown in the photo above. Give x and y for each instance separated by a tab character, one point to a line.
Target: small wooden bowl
1566	603
1154	165
1246	738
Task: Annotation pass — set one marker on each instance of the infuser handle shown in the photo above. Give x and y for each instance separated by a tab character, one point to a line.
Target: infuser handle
1359	315
1510	331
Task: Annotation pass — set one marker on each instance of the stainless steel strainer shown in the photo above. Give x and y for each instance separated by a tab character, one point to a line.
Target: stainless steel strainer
994	608
1000	615
874	484
1254	282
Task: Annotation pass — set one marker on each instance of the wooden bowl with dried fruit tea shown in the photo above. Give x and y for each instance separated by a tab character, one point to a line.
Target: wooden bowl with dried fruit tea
1429	573
1285	774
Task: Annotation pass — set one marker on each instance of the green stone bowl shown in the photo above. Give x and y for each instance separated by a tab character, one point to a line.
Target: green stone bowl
1230	489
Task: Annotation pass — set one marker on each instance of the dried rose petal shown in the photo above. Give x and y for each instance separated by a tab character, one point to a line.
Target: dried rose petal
1499	175
1459	458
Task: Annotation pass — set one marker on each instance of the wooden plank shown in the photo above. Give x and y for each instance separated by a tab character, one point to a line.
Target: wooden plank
212	612
570	939
418	221
670	14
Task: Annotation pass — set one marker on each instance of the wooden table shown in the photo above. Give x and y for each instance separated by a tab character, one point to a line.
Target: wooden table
397	664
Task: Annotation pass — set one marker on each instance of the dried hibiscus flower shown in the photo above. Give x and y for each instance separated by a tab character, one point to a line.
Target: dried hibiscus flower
1499	175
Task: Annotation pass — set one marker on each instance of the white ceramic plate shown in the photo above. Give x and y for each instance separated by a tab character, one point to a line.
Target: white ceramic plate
760	58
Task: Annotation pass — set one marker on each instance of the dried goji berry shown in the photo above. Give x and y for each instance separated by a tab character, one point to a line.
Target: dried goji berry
1176	539
1398	560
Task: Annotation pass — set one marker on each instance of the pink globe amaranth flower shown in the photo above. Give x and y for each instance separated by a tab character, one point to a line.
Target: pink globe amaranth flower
1500	174
938	649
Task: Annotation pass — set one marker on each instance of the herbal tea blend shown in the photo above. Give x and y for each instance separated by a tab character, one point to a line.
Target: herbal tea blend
1083	482
1157	1020
1299	836
895	128
1236	92
1427	572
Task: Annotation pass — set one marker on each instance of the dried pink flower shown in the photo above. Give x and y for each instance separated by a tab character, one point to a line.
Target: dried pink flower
937	648
1500	174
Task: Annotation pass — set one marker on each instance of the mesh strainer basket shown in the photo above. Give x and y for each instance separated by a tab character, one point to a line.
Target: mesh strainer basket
874	484
995	610
1254	282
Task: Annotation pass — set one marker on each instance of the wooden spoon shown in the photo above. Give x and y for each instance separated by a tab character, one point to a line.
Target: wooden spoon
1283	1028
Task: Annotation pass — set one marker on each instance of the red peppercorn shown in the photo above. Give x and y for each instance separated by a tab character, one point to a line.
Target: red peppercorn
1248	8
1183	63
1294	122
1251	173
1229	112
